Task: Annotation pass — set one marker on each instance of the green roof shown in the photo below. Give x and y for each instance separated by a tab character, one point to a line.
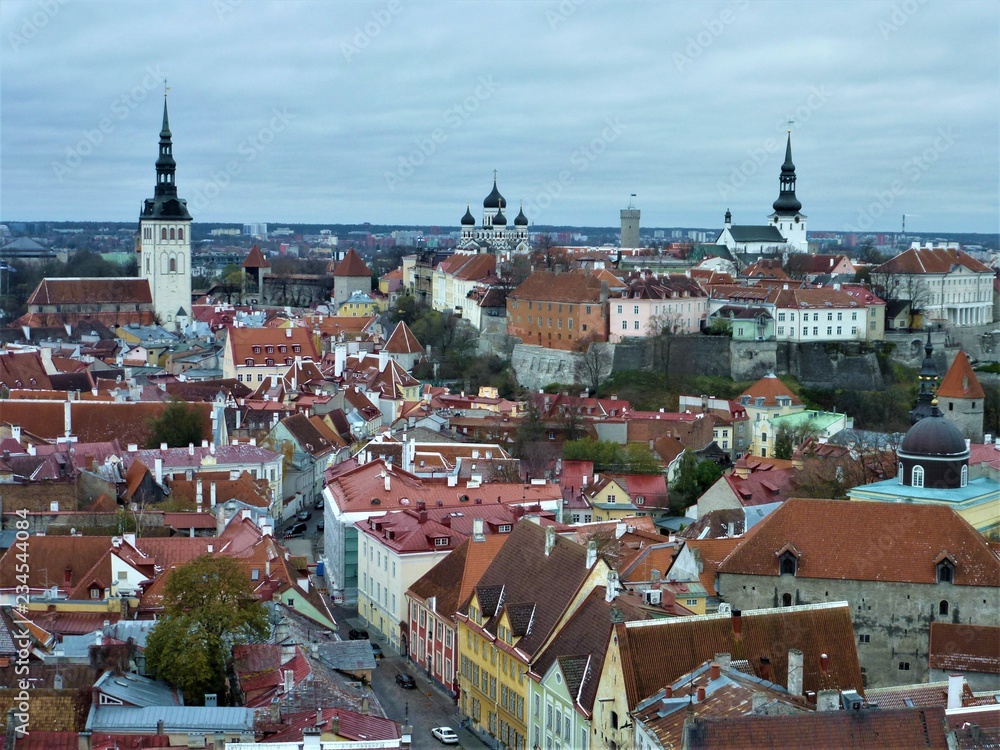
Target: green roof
820	421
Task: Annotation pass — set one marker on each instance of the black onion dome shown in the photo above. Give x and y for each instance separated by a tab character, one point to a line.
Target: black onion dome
499	220
934	436
494	199
521	220
787	203
468	220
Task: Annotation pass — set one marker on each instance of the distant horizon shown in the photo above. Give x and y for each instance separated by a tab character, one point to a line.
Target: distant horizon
611	228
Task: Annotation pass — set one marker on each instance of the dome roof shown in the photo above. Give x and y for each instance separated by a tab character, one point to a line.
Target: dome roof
934	436
494	199
521	220
468	220
499	220
787	203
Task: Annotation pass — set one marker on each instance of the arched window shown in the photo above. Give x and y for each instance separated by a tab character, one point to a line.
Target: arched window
900	472
172	266
787	564
180	233
965	476
163	233
786	600
943	607
172	235
945	571
917	477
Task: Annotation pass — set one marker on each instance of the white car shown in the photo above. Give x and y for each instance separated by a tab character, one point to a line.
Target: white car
446	735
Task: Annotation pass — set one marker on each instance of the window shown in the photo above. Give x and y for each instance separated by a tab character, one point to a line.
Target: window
180	233
619	309
691	602
917	476
787	564
864	638
943	607
815	330
614	719
786	600
624	325
840	316
635	325
635	310
965	476
945	571
904	666
163	233
829	330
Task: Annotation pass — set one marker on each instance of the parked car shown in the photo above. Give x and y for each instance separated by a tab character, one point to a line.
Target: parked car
357	635
376	650
320	504
303	515
295	530
406	681
320	527
445	735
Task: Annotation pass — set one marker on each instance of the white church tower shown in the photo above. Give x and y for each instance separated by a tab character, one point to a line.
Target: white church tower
165	241
788	217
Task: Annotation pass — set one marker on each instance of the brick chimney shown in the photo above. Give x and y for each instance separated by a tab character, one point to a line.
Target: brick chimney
795	671
550	540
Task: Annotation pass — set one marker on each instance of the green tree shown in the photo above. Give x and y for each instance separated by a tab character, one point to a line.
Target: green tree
209	606
694	476
179	425
783	447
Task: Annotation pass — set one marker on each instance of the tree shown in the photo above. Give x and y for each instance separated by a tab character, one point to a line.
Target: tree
606	455
511	274
783	447
595	364
209	606
180	425
694	476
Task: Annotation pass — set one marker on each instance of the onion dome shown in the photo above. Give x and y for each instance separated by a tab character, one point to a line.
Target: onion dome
521	220
729	217
499	220
494	199
468	220
787	203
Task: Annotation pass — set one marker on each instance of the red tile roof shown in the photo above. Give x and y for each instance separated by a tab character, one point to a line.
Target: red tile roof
660	651
252	344
80	291
23	370
965	648
711	553
931	260
352	265
897	729
961	380
402	341
575	287
453	579
769	388
255	259
910	540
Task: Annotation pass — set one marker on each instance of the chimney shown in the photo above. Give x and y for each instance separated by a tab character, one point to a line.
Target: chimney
211	494
591	554
159	727
828	700
701	694
386	480
383	360
211	700
550	540
422	516
611	588
714	672
275	712
956	684
765	668
68	578
477	530
668	691
15	432
289	680
190	449
11	735
335	725
57	681
83	740
445	521
68	418
757	702
795	671
737	621
312	739
824	663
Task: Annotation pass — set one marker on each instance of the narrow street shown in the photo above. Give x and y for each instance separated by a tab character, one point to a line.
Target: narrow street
427	706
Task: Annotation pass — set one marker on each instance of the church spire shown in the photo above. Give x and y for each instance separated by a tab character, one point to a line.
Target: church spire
928	381
787	203
165	164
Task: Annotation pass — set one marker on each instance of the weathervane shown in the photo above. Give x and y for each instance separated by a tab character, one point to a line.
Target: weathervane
790	123
166	88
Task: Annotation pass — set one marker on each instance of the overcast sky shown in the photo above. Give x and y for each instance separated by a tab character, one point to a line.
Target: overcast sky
398	112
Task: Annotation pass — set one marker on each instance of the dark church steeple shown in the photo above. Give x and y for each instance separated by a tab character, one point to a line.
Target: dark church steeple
927	379
787	203
165	203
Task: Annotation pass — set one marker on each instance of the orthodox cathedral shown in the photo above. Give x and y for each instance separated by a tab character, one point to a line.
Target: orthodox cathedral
495	235
785	231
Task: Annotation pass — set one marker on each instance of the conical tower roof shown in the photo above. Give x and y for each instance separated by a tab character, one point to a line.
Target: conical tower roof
961	380
352	265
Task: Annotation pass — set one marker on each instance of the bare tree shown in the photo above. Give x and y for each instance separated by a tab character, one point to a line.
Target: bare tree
594	365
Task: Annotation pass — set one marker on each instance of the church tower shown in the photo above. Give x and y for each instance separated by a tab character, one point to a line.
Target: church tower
165	240
961	398
788	218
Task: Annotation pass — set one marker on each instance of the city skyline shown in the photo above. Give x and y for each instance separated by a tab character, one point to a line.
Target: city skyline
321	114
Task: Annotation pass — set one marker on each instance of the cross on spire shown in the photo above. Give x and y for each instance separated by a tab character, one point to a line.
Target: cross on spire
790	123
166	88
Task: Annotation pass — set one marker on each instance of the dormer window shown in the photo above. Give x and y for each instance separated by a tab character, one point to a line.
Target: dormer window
249	362
256	350
440	541
946	571
787	564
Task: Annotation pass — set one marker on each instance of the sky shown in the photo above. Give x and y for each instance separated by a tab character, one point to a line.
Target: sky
398	112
